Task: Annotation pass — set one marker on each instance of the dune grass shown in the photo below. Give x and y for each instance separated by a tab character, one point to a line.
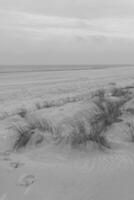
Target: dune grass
24	133
84	128
107	114
77	131
22	112
58	102
81	129
42	124
131	130
84	132
33	125
99	93
109	111
121	92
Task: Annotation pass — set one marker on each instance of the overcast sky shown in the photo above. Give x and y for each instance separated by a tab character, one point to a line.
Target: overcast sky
66	31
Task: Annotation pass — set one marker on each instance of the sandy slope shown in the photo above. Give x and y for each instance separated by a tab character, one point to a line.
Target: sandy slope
56	177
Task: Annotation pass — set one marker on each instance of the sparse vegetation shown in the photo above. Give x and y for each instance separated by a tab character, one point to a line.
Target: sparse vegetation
112	83
38	106
99	94
109	111
33	126
42	124
78	132
22	112
131	130
129	87
98	136
120	92
23	135
58	102
82	128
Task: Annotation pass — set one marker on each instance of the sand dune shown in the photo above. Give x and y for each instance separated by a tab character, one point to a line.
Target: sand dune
59	171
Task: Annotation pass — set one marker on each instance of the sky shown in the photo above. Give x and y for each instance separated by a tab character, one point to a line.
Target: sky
66	32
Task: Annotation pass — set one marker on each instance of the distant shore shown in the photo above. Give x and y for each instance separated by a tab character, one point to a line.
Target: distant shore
37	68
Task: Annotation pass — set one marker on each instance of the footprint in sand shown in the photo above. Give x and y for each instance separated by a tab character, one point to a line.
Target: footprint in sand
5	156
16	165
26	180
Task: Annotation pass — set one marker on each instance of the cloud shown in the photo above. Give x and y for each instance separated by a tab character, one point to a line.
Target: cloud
27	37
44	27
73	8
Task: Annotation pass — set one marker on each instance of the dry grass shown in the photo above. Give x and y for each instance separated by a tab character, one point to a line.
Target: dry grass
109	111
81	128
90	133
24	134
131	130
121	92
100	93
77	131
22	112
42	124
58	102
112	83
32	126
